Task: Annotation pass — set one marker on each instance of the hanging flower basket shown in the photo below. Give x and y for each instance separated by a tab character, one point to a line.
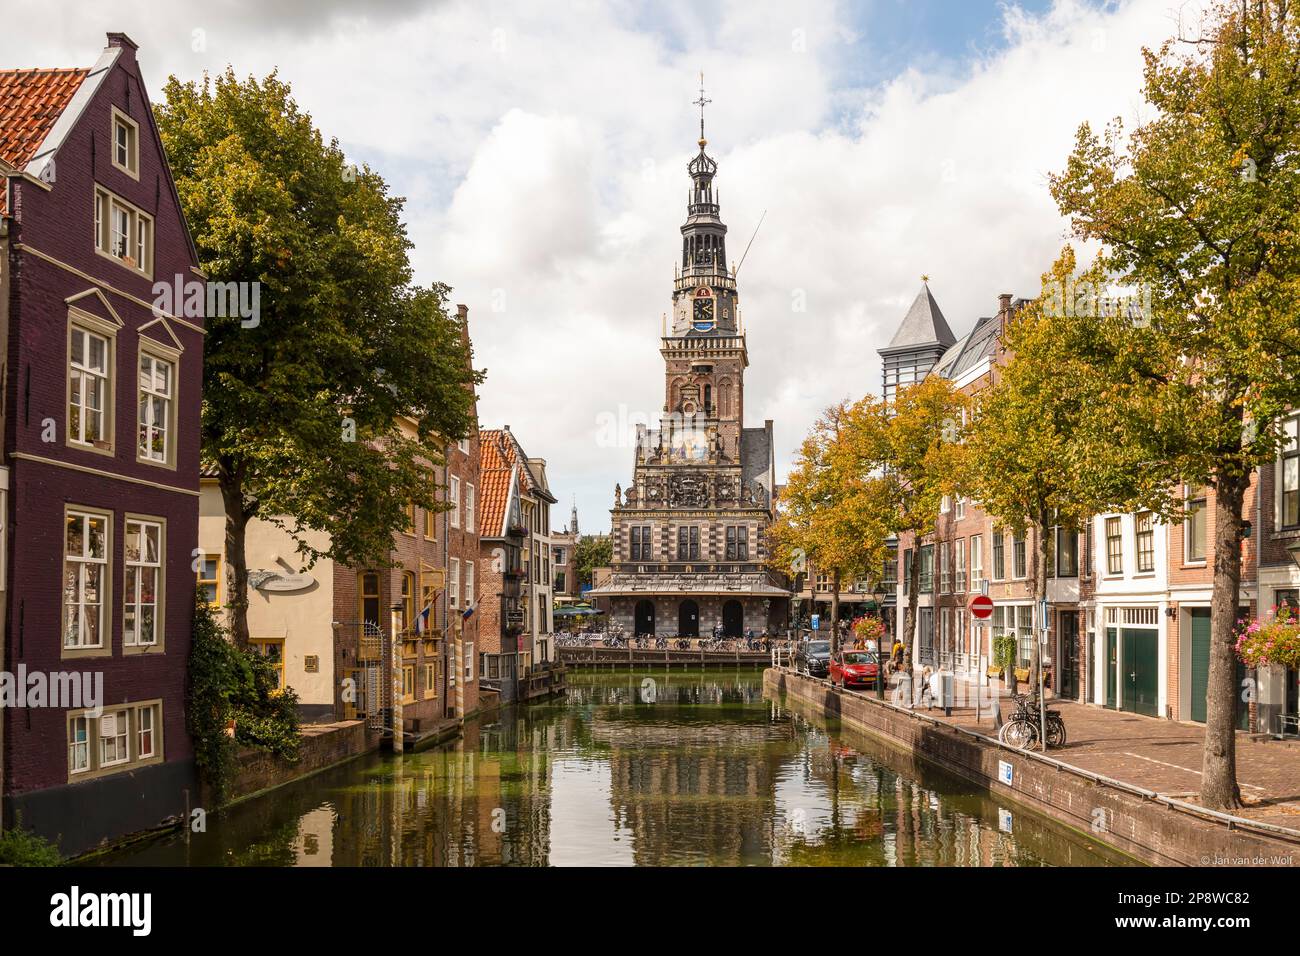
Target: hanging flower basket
1272	641
869	628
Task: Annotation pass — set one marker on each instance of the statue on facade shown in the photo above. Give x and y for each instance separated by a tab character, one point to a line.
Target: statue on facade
618	495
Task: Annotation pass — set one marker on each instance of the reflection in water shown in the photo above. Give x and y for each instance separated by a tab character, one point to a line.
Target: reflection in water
698	768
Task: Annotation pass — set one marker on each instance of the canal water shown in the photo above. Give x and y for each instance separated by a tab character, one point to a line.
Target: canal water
634	768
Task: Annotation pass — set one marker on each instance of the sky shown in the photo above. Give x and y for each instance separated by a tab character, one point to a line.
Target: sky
542	151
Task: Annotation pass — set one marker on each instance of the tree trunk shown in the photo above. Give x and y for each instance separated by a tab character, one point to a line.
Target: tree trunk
1219	790
913	599
236	562
835	612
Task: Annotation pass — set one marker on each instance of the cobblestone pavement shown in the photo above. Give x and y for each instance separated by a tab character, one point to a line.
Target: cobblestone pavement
1159	755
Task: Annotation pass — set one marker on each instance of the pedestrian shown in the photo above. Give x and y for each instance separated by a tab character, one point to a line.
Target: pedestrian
927	691
896	655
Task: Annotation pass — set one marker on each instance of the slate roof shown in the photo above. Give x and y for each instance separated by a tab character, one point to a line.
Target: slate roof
756	458
924	324
31	102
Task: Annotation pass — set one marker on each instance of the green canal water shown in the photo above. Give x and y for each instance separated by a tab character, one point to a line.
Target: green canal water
696	768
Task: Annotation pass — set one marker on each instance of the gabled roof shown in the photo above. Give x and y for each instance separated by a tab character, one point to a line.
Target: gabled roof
513	452
924	324
31	102
497	478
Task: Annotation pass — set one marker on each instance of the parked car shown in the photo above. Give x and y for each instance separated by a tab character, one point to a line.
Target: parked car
813	658
854	668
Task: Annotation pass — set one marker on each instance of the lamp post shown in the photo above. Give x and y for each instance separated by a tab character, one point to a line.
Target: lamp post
878	595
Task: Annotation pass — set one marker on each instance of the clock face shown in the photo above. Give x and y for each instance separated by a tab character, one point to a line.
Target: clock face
703	318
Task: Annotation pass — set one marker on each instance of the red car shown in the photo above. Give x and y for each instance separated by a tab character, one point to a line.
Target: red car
854	668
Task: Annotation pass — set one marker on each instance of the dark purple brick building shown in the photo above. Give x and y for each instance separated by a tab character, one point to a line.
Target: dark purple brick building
99	476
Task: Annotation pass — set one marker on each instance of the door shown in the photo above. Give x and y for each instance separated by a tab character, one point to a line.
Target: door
1111	665
1141	671
1068	656
645	618
733	619
1200	675
688	619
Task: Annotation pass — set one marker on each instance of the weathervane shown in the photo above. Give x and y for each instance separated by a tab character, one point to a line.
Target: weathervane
702	102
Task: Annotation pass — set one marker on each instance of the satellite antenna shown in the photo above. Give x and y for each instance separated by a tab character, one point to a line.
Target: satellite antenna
736	271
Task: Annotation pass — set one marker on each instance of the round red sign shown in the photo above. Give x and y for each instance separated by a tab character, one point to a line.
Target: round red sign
981	606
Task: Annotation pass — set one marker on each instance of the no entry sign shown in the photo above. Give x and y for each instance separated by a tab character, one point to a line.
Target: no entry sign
981	606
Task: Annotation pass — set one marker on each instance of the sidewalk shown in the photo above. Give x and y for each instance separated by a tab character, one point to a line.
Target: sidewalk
1160	755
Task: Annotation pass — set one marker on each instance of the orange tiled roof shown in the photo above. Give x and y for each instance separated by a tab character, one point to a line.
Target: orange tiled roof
496	461
31	102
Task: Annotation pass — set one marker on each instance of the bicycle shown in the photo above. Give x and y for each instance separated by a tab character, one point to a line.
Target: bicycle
1021	730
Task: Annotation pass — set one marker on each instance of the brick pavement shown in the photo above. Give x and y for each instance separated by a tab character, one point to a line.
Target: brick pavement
1159	755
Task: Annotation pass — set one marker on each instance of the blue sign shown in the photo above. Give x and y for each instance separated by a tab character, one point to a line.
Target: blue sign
816	622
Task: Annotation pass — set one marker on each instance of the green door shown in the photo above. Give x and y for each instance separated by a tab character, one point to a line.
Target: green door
1111	664
1201	670
1141	673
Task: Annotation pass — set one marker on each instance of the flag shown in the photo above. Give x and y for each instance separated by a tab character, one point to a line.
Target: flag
422	620
464	615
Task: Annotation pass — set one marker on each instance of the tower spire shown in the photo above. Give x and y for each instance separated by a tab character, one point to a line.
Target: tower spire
702	102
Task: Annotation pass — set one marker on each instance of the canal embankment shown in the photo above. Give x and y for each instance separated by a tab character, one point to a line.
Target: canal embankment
1143	823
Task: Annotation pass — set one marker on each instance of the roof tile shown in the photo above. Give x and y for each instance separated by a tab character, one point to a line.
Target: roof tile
31	102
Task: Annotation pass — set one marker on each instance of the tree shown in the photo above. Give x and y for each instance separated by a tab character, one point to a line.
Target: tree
304	401
1200	209
907	457
1024	458
592	551
829	520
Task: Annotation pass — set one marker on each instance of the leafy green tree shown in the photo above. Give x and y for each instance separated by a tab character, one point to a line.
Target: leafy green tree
907	457
1199	208
303	403
592	551
1025	459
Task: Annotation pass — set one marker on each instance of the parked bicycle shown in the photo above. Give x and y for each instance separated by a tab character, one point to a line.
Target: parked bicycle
1021	730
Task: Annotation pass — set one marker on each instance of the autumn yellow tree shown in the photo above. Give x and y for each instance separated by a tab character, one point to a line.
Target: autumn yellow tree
904	457
1026	457
829	519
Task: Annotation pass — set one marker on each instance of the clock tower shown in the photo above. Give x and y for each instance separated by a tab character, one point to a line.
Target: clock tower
690	530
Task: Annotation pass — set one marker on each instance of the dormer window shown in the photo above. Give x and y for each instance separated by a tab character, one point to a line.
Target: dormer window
126	144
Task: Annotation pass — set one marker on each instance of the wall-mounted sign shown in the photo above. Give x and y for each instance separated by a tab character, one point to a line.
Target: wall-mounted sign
1006	773
279	581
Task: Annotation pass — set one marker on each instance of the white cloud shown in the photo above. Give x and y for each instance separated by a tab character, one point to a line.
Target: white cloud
543	152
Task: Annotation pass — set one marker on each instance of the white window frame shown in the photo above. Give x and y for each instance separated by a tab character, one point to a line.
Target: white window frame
469	662
454	494
120	734
469	583
78	746
82	372
151	711
132	165
83	561
469	508
147	424
976	561
124	232
453	592
141	566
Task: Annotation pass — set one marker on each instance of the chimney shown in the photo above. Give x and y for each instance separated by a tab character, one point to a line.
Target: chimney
1004	313
123	41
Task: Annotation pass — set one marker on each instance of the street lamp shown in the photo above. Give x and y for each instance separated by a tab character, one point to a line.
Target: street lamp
878	595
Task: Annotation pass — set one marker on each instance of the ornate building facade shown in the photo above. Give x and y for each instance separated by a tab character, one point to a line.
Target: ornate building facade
689	532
